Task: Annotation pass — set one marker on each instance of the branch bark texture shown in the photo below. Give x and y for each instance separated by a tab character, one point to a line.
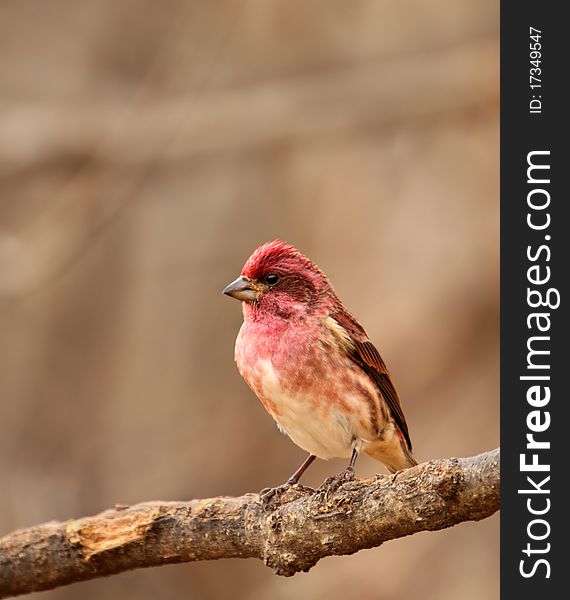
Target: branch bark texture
290	535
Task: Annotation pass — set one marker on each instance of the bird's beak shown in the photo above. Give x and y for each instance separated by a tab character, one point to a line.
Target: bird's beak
242	289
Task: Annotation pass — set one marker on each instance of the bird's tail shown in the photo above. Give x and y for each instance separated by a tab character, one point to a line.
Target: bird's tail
395	456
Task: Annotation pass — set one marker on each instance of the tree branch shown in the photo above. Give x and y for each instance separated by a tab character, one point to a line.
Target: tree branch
291	535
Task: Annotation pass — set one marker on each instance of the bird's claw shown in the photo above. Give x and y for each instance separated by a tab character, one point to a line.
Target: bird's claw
269	495
332	484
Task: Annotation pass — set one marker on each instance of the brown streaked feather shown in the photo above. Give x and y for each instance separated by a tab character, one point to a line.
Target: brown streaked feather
367	357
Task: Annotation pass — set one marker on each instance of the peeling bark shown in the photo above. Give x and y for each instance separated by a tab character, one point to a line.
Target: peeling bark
291	535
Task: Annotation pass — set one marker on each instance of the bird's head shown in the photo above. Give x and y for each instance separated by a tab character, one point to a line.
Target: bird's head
278	280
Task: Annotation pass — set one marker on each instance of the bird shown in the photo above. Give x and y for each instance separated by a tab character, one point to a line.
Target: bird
312	365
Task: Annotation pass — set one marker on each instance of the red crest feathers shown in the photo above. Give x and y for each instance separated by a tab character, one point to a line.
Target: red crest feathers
272	255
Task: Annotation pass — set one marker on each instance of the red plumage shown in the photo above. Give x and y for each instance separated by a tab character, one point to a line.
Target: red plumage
274	254
312	365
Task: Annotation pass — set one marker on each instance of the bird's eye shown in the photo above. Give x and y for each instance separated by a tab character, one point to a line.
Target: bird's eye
272	278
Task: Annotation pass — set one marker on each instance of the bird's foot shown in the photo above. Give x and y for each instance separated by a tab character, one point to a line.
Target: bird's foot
272	495
332	484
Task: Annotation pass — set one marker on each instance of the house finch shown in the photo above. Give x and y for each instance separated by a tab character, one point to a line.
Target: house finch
312	365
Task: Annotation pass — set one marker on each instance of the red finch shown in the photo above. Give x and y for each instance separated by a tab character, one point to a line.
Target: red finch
312	365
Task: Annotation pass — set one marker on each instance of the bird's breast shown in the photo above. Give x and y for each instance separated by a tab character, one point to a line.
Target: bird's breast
313	391
277	363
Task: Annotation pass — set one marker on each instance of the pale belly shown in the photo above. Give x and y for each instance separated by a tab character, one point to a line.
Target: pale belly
316	393
323	417
314	424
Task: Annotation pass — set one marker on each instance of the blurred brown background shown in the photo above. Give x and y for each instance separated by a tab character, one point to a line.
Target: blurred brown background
145	149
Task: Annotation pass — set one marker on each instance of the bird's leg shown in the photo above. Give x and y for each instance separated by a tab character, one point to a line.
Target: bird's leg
297	474
331	484
269	494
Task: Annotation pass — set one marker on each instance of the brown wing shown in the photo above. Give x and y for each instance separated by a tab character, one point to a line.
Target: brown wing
365	355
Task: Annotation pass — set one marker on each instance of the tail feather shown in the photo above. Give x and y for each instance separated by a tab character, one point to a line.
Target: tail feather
394	456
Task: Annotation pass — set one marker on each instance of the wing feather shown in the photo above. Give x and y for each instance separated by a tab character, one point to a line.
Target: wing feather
363	352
